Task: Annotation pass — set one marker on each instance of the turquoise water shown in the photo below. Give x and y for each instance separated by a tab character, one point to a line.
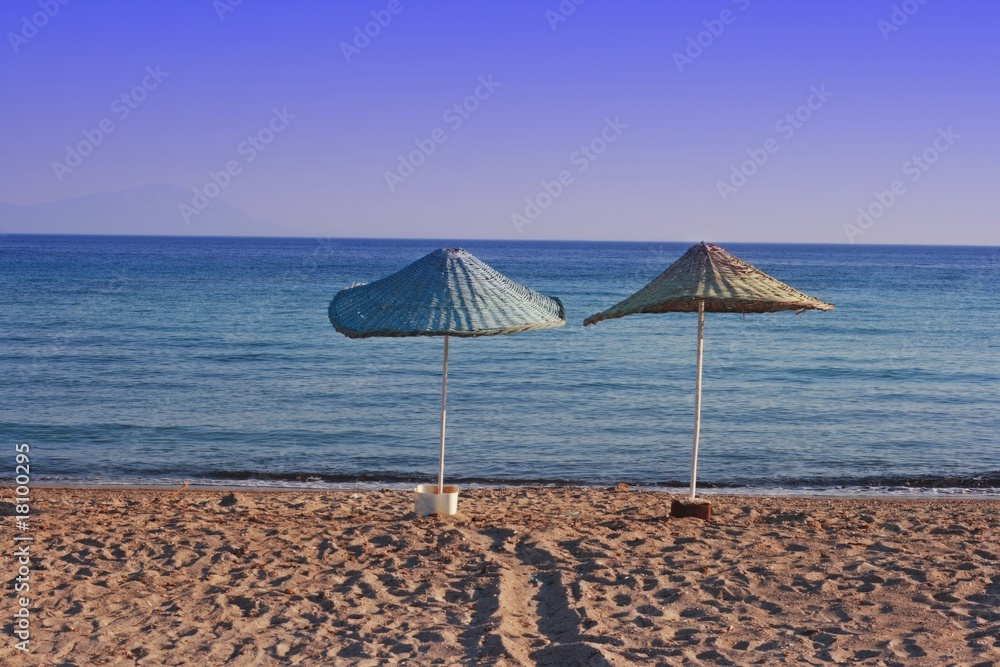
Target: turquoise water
156	360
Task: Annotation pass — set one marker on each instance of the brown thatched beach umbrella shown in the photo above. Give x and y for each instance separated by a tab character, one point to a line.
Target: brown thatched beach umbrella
708	279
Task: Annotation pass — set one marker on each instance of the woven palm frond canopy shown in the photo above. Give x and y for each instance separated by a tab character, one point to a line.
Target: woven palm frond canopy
709	279
446	293
707	274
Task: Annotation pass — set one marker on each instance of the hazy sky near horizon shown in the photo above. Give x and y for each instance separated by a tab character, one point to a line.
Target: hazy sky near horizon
866	121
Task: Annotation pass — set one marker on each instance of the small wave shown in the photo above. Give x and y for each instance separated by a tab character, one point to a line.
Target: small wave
237	357
976	481
380	477
979	484
990	480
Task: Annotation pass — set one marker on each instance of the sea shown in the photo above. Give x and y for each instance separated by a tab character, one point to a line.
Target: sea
156	361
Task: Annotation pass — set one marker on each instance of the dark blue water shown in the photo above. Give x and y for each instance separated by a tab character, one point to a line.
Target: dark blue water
156	360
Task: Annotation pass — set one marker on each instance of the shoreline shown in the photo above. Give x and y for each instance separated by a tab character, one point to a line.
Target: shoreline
520	576
844	493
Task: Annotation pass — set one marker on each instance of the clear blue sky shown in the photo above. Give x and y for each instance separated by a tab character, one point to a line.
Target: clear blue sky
926	86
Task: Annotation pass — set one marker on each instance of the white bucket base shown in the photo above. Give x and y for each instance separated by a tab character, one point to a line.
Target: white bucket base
428	501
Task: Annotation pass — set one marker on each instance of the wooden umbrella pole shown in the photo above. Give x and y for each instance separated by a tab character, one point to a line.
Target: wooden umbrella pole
444	405
697	397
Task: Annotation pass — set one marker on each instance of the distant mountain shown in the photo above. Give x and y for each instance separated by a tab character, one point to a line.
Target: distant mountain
146	210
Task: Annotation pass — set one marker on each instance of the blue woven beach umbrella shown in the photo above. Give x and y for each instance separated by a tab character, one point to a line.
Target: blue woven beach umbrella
709	279
446	293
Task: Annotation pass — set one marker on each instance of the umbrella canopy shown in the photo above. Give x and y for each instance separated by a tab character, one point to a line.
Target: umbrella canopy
446	293
707	278
707	274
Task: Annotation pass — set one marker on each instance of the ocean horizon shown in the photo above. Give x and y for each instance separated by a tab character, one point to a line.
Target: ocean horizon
153	360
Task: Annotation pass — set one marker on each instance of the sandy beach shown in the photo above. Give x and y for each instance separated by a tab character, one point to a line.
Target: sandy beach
569	576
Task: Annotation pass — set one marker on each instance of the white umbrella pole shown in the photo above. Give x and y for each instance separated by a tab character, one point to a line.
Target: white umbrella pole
697	397
444	404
